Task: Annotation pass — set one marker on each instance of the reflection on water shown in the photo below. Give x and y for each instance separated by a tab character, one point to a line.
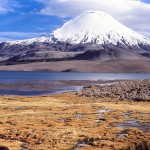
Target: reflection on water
134	124
41	92
40	83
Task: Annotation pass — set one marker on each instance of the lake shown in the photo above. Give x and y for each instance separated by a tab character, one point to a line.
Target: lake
43	83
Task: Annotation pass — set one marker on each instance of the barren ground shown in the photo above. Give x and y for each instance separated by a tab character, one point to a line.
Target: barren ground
134	65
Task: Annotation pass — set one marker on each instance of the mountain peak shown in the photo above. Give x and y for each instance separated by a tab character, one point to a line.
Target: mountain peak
97	27
92	33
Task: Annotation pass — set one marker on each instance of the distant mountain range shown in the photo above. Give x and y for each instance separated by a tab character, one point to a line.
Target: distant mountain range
93	35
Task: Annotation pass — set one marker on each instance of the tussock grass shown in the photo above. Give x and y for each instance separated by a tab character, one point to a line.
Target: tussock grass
144	145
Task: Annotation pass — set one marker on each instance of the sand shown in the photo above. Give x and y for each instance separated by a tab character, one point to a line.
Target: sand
116	65
67	122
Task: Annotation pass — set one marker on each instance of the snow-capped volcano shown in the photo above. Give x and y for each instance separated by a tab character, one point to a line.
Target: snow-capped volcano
92	27
100	28
93	31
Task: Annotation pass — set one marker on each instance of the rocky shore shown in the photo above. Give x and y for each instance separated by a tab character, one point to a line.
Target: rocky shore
124	90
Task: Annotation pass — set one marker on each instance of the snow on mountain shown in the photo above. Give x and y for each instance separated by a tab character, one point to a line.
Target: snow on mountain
30	41
98	27
92	27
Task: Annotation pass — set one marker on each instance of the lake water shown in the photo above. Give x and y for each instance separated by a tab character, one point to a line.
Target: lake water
41	83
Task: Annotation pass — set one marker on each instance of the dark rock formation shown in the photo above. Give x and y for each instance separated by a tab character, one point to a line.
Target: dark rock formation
125	90
46	51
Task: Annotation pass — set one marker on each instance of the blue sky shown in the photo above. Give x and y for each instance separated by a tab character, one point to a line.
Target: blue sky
25	21
21	19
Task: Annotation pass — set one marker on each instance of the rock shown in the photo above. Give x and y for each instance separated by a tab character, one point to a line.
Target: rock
130	90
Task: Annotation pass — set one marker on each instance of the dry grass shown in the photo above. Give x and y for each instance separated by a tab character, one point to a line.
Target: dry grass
52	122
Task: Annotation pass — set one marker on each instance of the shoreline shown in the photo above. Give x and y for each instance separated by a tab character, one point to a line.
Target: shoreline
52	71
136	90
41	83
49	87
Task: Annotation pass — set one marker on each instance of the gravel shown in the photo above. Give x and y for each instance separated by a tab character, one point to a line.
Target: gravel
124	90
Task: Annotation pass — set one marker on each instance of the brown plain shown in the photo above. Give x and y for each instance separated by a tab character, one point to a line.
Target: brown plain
61	122
116	65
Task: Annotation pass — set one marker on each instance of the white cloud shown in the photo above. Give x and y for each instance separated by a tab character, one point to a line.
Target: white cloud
145	32
8	36
7	6
133	13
